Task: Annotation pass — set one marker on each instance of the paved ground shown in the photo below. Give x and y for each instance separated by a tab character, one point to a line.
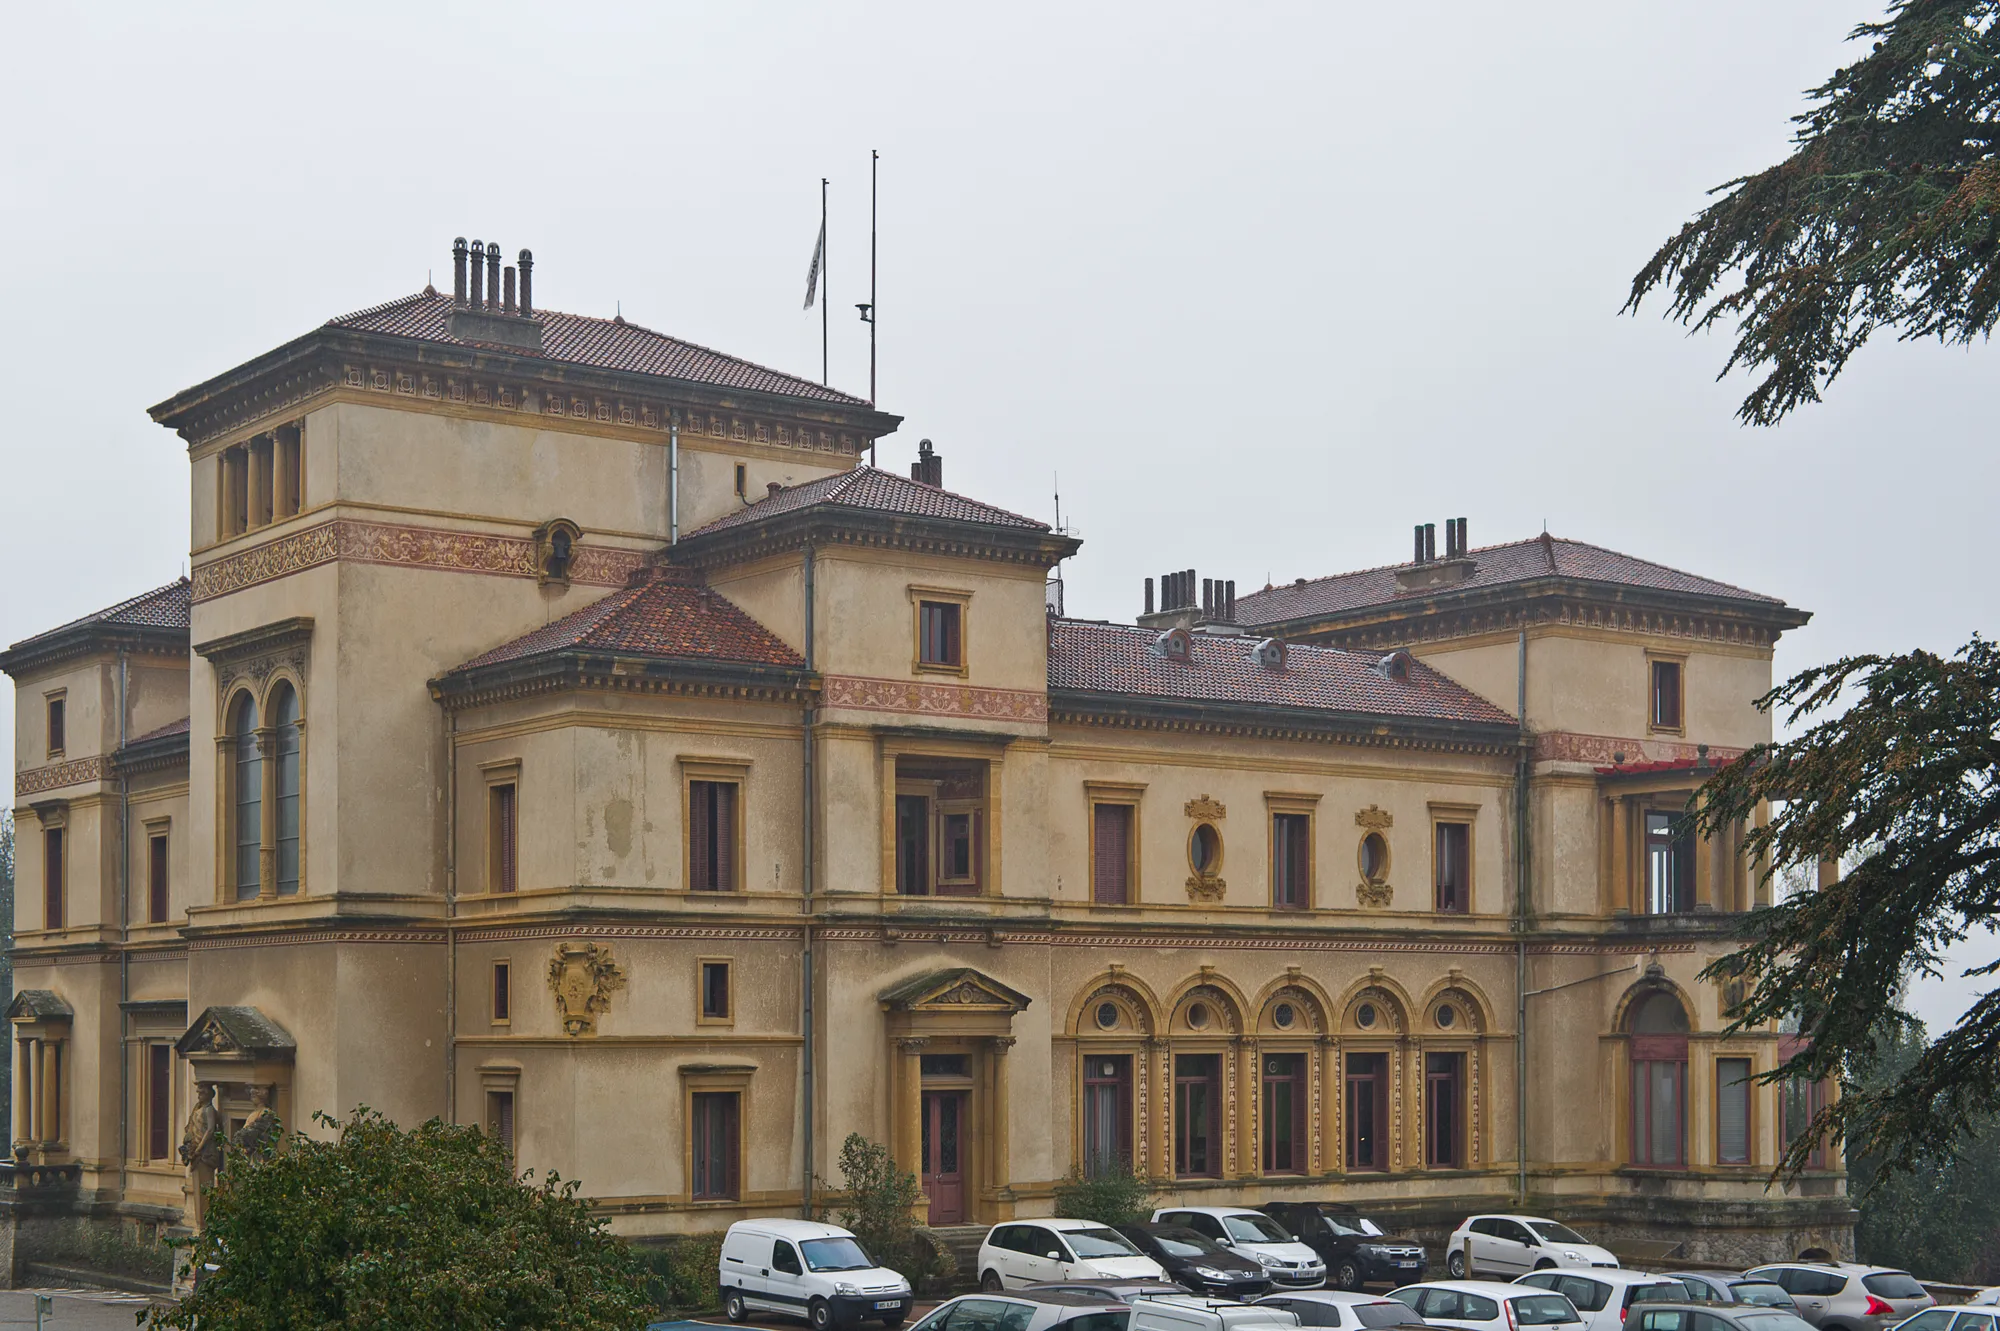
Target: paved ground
74	1309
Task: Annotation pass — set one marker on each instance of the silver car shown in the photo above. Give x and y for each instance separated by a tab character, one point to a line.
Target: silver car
1847	1296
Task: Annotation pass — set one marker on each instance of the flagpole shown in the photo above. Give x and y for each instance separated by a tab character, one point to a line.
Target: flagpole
874	160
825	287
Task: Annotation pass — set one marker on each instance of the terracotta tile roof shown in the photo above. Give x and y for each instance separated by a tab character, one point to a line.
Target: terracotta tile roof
163	608
1117	658
1517	561
180	727
664	613
605	344
877	491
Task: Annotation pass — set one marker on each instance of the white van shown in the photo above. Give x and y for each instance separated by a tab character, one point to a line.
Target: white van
1183	1312
801	1267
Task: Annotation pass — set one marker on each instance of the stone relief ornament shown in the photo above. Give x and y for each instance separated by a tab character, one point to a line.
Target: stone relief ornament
583	978
1204	887
1204	809
1374	819
1375	896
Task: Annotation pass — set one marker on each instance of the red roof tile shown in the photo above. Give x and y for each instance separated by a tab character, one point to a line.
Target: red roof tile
162	608
664	613
606	344
1116	658
180	727
874	490
1518	561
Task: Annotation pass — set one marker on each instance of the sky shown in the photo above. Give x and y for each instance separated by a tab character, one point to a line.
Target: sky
1257	286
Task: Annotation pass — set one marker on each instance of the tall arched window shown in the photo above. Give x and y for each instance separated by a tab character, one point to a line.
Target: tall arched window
1658	1026
249	790
285	787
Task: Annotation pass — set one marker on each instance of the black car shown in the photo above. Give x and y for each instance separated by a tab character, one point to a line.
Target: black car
1199	1264
1355	1249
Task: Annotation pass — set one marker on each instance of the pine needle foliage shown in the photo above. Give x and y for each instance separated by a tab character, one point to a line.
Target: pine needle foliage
417	1231
1901	787
1886	216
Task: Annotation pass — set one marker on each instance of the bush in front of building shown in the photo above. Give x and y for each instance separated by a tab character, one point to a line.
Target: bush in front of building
681	1274
1113	1195
879	1204
421	1230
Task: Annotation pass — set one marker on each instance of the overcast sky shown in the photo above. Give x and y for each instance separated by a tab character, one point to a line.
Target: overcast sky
1265	284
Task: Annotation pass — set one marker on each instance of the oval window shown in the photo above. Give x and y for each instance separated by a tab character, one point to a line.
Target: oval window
1374	858
1205	850
1282	1016
1107	1015
1364	1016
1197	1016
1447	1017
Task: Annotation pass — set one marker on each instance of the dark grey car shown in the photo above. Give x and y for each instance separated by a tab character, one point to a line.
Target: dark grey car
1847	1296
1734	1287
1712	1317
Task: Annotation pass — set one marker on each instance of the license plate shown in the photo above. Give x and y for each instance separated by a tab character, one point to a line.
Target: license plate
886	1304
1409	1266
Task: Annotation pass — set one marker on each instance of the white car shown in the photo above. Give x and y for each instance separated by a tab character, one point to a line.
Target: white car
1181	1312
1030	1252
1512	1245
806	1269
1291	1264
1350	1311
1604	1298
1488	1305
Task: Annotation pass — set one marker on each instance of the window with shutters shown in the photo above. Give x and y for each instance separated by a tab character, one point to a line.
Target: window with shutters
503	829
1367	1111
156	874
1658	1028
1197	1116
1284	1113
1451	866
54	898
1291	861
1114	842
1665	710
159	1073
715	996
715	1129
1444	1111
500	1119
503	993
712	836
1732	1111
940	621
58	714
1799	1101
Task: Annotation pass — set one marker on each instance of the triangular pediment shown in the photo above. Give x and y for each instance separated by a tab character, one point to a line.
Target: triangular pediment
236	1030
961	989
39	1005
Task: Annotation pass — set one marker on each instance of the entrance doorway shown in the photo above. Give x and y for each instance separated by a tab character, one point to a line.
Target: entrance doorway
943	1155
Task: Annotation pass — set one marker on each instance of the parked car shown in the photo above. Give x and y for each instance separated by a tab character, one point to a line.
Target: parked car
1714	1317
1343	1308
1183	1312
1198	1263
1356	1250
1985	1298
1030	1252
1107	1291
1952	1317
1604	1298
1039	1311
1733	1287
1487	1305
1847	1296
810	1270
1292	1264
1510	1245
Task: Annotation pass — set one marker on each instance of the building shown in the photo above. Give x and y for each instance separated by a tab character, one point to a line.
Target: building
564	729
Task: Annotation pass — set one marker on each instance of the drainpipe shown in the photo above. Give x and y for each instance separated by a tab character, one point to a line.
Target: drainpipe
1522	770
124	942
674	481
450	915
806	1061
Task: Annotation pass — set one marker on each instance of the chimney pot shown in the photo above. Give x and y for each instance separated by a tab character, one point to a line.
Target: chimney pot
478	272
1149	596
527	262
1418	558
492	274
1430	541
507	287
1229	601
458	271
771	489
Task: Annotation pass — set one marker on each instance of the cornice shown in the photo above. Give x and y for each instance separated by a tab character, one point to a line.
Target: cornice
834	524
62	646
1243	720
568	671
274	637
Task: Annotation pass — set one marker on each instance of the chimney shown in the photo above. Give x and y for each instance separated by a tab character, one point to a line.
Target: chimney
1208	598
458	271
478	253
1149	597
492	274
1418	558
483	299
527	262
1427	572
507	300
1430	541
771	489
929	467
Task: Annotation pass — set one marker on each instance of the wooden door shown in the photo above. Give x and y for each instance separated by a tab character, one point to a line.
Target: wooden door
944	1152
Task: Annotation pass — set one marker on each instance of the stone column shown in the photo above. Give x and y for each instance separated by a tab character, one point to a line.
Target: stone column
45	1106
1704	871
909	1123
1001	1157
267	814
24	1093
1621	856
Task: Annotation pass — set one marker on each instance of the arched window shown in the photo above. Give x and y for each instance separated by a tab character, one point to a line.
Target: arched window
285	787
1658	1026
248	835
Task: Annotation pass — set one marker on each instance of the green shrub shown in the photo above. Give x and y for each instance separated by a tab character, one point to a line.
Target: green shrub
1113	1196
681	1275
879	1203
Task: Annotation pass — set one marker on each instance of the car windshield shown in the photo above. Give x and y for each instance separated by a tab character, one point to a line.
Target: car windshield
1349	1226
1089	1243
1772	1321
1386	1313
842	1254
1760	1292
1184	1243
1893	1285
1254	1228
1542	1309
1555	1233
1667	1291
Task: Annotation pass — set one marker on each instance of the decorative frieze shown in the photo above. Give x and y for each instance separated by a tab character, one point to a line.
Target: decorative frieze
75	772
1563	746
896	695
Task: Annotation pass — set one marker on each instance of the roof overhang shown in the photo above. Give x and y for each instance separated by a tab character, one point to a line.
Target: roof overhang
34	655
559	671
840	524
1147	711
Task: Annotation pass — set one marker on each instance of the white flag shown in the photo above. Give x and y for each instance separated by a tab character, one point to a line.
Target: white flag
812	273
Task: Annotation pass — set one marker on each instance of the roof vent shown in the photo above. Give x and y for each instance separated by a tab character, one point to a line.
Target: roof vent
1173	644
487	310
929	467
1269	653
1396	665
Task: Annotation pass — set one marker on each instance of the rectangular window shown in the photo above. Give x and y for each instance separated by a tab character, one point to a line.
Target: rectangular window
1732	1111
913	845
1367	1111
58	725
291	480
1670	852
1659	1099
715	991
1284	1113
1452	867
262	486
742	480
1197	1144
939	637
503	828
235	518
156	878
1444	1113
1111	854
715	1131
1291	861
500	1119
956	865
1666	695
1802	1101
503	992
712	836
53	896
1107	1113
159	1101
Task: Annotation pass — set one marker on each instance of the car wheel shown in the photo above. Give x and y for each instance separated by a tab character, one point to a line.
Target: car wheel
820	1314
1545	1265
1456	1264
1347	1275
894	1319
990	1282
732	1305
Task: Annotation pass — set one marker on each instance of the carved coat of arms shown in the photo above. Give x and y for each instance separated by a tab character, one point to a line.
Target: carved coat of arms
583	978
